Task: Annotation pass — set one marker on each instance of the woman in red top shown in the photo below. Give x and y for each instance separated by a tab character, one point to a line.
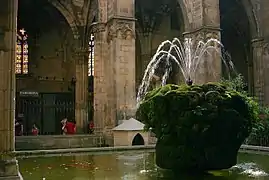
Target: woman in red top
70	127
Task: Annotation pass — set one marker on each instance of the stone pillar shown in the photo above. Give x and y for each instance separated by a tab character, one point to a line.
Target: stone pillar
205	25
121	46
100	63
258	69
81	89
8	18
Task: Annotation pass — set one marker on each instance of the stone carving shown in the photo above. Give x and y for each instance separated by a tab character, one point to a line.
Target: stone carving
212	34
121	30
203	34
97	27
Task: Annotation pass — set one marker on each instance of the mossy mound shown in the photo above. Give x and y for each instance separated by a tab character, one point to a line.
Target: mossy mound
199	127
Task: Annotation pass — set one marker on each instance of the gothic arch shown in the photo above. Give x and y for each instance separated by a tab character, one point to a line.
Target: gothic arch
185	6
138	140
252	17
70	18
238	24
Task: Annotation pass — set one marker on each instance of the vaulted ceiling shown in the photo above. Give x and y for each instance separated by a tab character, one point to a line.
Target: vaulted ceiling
39	15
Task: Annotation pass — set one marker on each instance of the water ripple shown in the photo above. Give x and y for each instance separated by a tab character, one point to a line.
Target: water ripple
249	169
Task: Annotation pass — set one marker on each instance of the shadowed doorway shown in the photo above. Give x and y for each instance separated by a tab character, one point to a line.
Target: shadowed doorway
138	140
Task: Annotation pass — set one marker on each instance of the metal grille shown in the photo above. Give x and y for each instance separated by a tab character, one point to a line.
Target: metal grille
46	110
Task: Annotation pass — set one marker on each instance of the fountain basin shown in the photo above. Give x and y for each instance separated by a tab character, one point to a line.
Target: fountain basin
139	165
199	127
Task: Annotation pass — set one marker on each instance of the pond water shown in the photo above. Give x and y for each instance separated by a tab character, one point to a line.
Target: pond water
131	165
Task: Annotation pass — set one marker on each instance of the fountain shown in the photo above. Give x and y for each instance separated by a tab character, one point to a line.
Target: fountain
198	127
187	57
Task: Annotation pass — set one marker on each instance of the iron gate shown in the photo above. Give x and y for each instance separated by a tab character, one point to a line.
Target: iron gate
46	110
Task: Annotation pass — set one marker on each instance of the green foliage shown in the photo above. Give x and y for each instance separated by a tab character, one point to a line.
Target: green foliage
260	132
236	84
198	126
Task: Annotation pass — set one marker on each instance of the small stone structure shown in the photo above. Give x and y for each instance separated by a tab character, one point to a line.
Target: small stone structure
129	133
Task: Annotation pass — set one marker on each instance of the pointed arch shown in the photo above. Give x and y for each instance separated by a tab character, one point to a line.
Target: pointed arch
69	16
185	9
138	140
236	24
252	17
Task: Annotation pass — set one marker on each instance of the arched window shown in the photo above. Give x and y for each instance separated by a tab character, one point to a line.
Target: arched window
21	64
91	56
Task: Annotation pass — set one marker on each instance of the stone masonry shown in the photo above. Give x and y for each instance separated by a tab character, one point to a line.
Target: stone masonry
8	163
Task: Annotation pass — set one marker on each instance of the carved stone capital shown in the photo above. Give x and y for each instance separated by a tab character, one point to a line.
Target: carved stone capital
258	43
203	33
98	27
120	29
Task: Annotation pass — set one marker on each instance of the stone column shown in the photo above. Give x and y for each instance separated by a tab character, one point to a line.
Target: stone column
100	63
121	45
205	25
81	89
258	69
8	18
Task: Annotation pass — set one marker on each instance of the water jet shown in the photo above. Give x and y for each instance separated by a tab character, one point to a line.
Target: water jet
188	56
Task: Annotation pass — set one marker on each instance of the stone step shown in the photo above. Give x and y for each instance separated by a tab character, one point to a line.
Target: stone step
18	177
11	178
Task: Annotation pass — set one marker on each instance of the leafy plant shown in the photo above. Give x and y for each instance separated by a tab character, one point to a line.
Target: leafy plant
237	84
260	132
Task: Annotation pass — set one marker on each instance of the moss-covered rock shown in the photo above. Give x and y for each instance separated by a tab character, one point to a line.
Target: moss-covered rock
199	127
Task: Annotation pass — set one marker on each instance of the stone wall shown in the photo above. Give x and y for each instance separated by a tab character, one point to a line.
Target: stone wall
57	142
51	63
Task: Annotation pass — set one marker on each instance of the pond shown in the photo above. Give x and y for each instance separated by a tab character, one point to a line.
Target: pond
130	165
